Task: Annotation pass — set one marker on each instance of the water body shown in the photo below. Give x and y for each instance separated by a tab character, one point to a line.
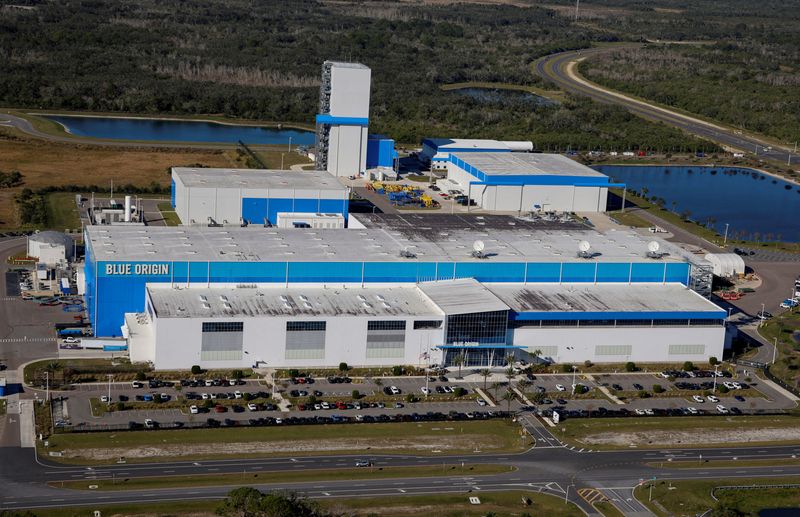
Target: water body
154	130
504	97
752	203
779	512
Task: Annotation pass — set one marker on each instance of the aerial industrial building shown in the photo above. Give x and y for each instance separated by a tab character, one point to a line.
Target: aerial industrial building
204	196
401	286
436	151
343	118
528	182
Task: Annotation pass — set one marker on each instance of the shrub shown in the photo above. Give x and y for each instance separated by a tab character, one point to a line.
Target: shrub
630	366
588	364
237	374
722	388
356	394
459	392
643	394
120	406
312	399
688	366
196	370
140	376
713	361
397	370
208	404
580	389
566	368
411	398
343	367
247	396
657	388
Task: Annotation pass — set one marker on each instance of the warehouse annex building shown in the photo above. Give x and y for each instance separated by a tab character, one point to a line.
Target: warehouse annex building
206	196
401	286
528	182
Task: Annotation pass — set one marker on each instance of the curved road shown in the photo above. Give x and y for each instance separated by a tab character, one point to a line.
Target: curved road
560	69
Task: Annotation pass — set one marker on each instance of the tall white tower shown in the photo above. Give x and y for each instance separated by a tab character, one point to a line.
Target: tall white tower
343	118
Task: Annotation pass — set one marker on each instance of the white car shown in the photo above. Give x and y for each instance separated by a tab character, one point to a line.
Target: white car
148	423
698	399
104	398
205	396
238	394
395	390
691	410
560	387
279	420
640	412
425	390
252	407
325	405
730	385
649	412
194	410
71	340
712	398
736	385
722	409
447	389
481	402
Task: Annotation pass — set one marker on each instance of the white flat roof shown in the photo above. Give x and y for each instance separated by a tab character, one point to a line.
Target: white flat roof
292	302
601	298
516	243
526	164
443	144
462	296
256	179
346	64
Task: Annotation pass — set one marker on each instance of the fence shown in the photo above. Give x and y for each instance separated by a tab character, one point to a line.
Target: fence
781	382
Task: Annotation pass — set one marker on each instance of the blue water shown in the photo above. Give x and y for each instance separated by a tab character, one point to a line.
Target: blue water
179	131
779	512
504	97
754	205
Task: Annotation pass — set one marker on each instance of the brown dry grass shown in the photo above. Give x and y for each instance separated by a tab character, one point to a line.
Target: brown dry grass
46	163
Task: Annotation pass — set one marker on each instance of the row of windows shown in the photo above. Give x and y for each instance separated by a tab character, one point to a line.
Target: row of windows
386	325
305	326
617	323
223	326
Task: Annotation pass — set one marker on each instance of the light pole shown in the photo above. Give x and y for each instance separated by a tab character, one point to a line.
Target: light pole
290	144
47	386
566	495
774	349
725	239
574	372
109	387
714	389
282	155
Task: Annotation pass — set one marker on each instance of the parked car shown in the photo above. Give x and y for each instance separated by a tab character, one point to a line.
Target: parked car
194	410
560	387
722	409
698	399
712	398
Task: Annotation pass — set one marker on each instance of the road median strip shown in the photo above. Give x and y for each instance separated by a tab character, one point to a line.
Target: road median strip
291	476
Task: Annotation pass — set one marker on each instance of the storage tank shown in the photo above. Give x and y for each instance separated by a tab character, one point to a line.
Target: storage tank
51	247
519	145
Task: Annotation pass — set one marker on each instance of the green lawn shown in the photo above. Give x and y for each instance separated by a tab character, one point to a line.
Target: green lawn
580	431
608	509
442	505
787	364
168	213
556	95
694	497
62	211
2	407
494	436
629	218
258	478
697	464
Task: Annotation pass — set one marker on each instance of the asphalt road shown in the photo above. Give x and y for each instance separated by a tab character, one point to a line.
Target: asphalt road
550	469
557	68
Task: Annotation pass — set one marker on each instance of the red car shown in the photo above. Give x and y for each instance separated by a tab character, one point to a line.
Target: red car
220	409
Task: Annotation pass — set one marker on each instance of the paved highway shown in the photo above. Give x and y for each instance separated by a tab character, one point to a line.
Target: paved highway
560	69
549	469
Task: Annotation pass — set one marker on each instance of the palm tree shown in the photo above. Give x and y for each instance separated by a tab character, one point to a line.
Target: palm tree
485	372
51	368
508	396
496	386
461	359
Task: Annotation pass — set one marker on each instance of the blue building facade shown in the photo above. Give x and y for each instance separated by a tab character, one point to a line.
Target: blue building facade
380	152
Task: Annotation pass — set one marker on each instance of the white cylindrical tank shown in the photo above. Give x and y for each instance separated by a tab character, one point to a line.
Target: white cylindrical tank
50	247
127	209
519	146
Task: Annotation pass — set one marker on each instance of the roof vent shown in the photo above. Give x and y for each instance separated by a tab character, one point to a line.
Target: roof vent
304	297
223	298
206	305
203	298
307	305
380	298
284	298
406	253
366	305
286	305
227	306
361	298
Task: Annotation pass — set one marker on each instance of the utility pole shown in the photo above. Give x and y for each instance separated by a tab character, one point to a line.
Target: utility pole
774	349
577	4
725	240
109	387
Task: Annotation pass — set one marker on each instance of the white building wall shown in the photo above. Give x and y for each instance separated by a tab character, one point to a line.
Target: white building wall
49	254
176	343
347	151
646	344
350	91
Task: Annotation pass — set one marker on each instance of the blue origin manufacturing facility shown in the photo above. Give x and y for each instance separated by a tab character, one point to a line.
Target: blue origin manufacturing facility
271	268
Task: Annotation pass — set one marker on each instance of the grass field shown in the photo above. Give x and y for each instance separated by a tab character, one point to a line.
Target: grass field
629	218
258	478
444	505
494	436
784	327
53	164
168	213
2	407
608	509
62	211
697	464
705	431
274	158
694	497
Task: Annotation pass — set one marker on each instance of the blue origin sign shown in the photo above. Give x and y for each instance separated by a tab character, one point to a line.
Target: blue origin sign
134	269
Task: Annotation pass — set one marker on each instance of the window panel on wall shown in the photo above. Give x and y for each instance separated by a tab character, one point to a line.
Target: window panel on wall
386	339
613	350
222	340
687	349
305	339
478	327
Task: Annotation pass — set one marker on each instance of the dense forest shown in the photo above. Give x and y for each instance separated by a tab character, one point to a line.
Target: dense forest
261	60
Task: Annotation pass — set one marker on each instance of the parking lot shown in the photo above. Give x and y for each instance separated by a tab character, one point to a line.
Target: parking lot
320	400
